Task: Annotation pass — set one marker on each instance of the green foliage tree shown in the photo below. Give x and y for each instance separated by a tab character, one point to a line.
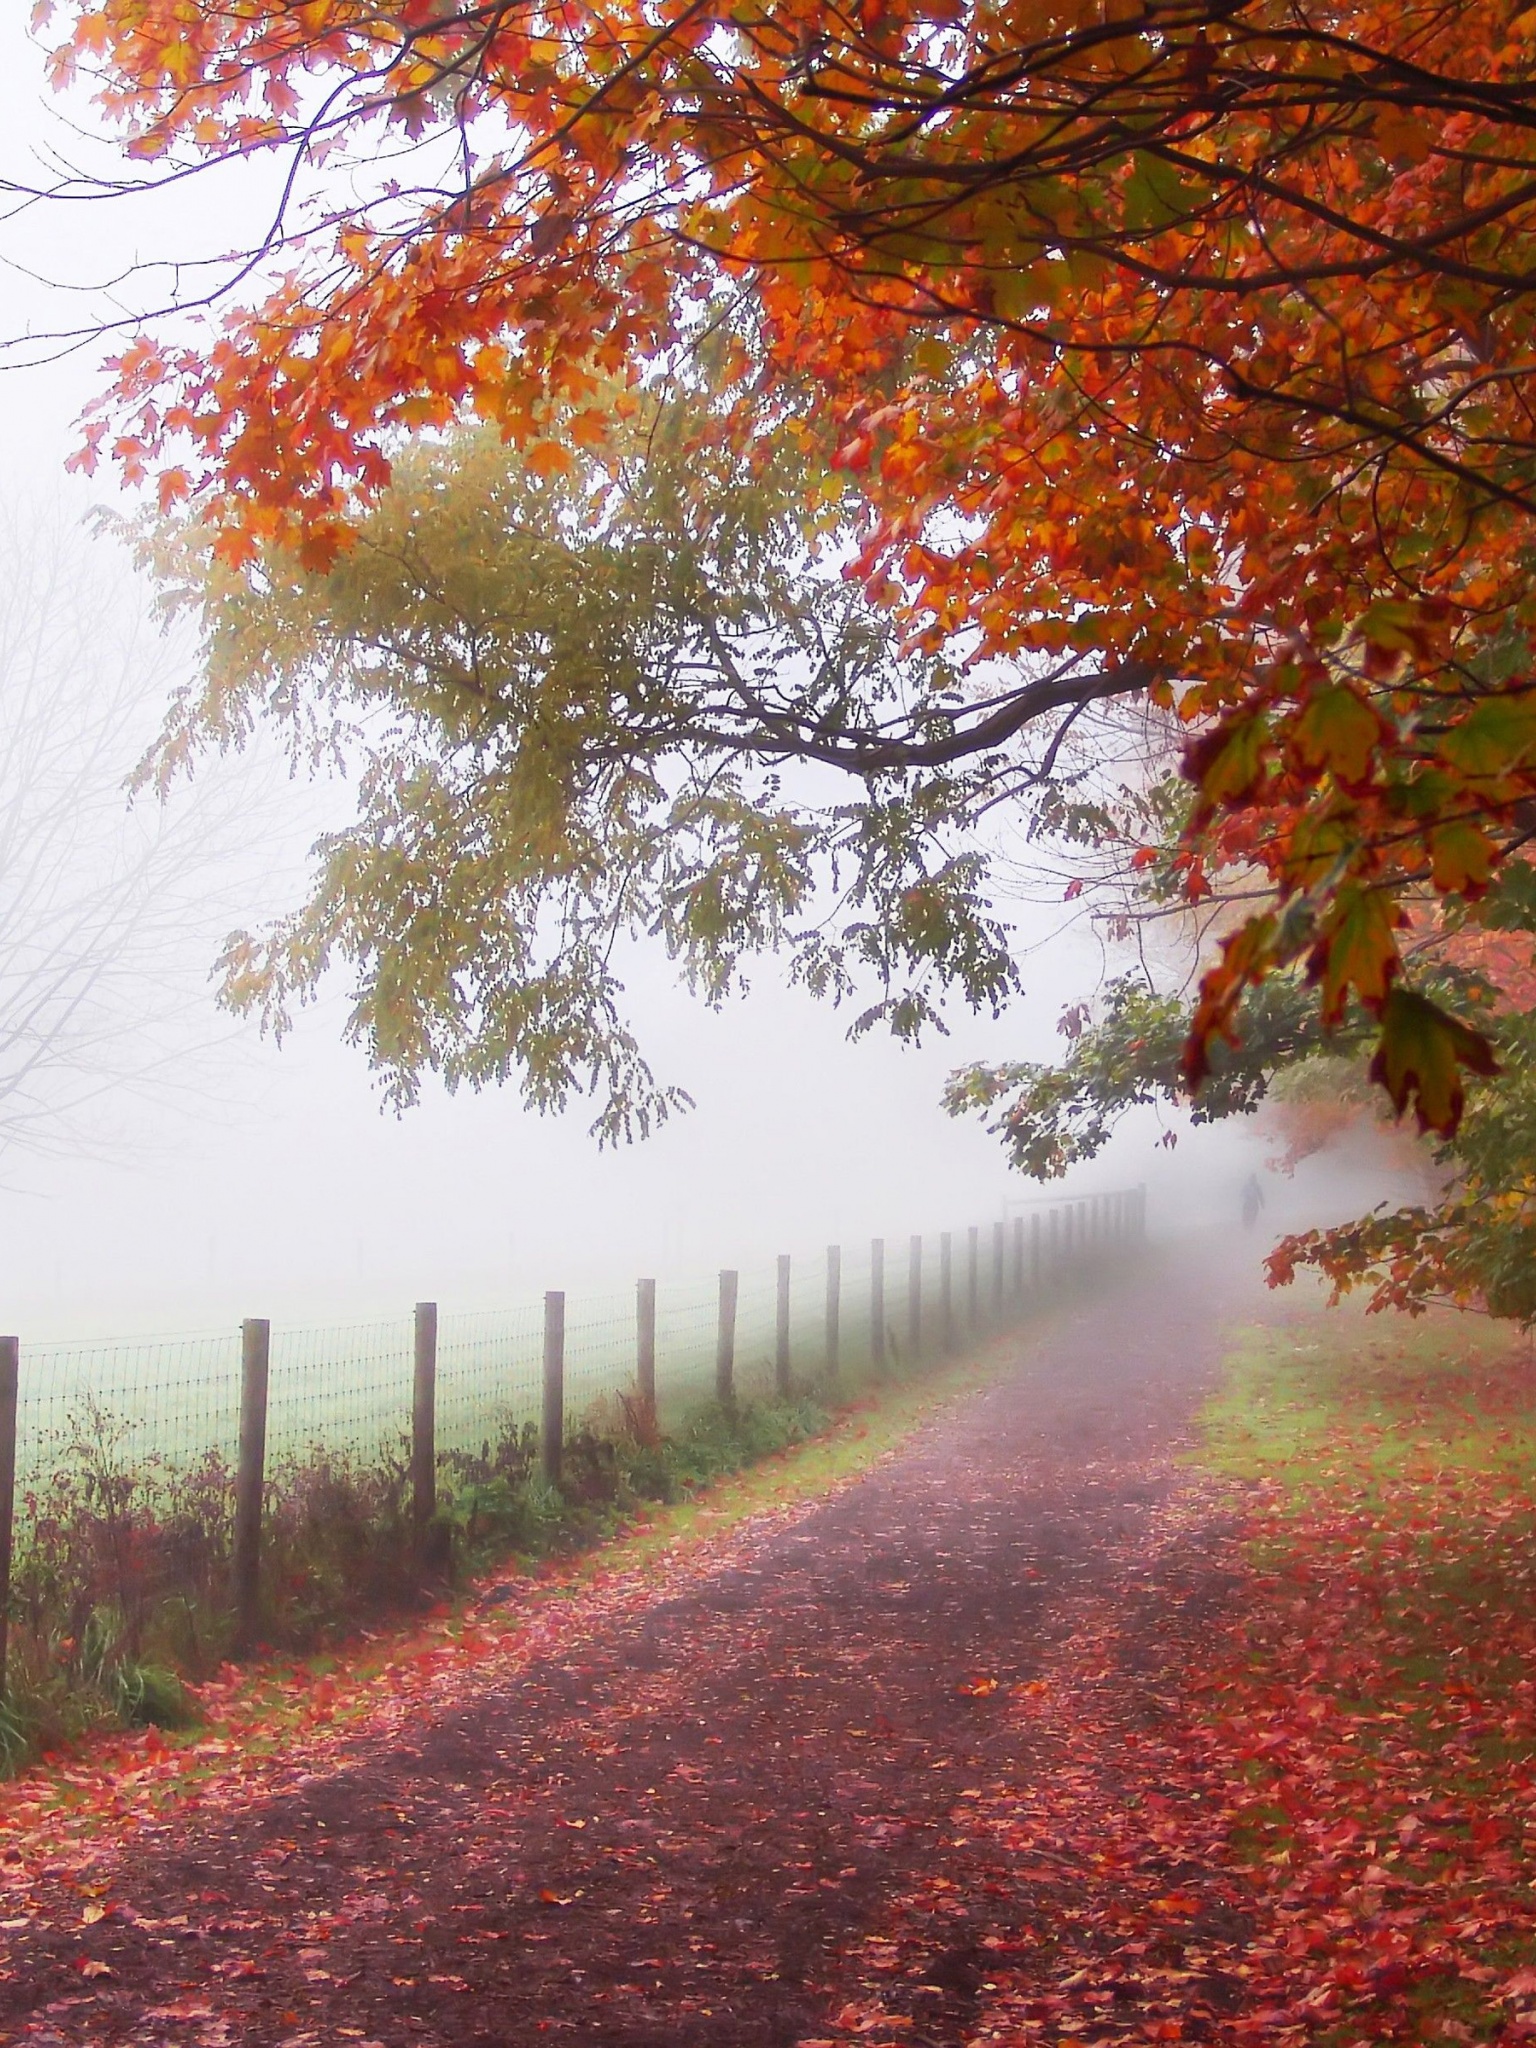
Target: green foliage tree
1475	1246
627	695
1052	1118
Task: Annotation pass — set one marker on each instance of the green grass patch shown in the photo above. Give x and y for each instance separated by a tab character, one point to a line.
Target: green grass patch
1345	1393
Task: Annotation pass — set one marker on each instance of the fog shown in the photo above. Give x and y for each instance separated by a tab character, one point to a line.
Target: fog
239	1178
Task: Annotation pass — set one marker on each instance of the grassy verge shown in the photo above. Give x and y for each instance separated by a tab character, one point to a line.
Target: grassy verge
1344	1395
1375	1716
105	1645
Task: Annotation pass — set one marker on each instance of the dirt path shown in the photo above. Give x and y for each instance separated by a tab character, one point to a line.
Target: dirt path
736	1810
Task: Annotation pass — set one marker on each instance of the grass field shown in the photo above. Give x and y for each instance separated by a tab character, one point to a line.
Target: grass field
347	1387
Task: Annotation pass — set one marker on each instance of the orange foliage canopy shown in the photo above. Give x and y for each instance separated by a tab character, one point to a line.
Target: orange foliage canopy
1179	346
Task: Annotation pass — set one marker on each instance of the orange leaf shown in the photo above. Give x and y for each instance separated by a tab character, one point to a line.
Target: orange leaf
548	458
1226	765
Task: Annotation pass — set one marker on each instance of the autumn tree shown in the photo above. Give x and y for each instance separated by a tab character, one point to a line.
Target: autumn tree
1179	351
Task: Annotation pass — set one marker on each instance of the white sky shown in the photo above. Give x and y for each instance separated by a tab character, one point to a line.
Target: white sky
277	1186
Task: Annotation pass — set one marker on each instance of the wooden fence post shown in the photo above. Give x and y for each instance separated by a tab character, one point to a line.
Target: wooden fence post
552	1434
947	1289
973	1276
781	1372
1034	1250
999	1261
424	1420
10	1380
645	1348
725	1343
877	1303
250	1477
915	1298
834	1304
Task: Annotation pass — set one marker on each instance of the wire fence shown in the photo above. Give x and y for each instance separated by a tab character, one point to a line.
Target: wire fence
426	1386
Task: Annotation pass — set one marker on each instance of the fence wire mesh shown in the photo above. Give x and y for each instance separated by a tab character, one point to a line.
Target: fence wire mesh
167	1397
488	1374
875	1305
343	1389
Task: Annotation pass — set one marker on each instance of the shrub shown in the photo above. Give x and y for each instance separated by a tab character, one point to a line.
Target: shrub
120	1585
146	1696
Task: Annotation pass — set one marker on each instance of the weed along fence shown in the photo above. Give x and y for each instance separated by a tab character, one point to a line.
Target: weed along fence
184	1469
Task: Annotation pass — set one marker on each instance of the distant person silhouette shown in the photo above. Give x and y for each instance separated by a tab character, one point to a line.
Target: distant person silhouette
1253	1201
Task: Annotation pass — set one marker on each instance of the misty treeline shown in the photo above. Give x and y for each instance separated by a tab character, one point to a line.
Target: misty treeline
110	907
